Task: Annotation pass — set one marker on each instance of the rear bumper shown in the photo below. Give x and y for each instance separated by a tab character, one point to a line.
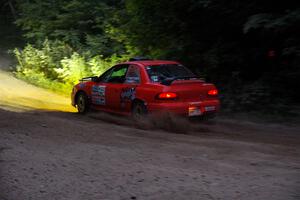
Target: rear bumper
185	108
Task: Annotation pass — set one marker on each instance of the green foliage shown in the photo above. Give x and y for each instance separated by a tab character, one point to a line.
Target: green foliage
271	21
56	66
44	60
99	64
251	96
81	24
38	79
73	69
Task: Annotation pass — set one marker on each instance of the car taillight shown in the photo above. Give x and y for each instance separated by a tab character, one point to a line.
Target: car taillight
167	95
213	92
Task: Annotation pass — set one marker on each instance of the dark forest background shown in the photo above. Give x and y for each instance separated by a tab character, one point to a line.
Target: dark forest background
250	49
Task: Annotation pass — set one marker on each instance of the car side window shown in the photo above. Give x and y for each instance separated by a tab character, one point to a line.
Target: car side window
117	75
133	74
104	77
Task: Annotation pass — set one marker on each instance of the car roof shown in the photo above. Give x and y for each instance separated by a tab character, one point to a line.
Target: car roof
151	62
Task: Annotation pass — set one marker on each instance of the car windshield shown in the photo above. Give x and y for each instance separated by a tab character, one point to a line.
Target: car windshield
158	73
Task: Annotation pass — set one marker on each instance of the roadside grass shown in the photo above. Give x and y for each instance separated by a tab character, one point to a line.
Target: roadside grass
53	85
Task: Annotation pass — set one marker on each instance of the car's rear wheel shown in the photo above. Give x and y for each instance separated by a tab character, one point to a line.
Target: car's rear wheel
139	110
82	103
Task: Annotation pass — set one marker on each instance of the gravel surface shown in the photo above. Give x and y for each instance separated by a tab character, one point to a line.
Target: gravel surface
51	155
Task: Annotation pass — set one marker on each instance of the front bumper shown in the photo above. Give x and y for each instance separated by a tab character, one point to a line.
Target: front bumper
73	98
191	109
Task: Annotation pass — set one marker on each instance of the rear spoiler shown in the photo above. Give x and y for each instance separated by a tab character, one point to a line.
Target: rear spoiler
90	78
169	81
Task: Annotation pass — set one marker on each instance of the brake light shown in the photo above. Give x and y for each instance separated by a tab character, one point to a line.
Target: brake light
167	95
213	92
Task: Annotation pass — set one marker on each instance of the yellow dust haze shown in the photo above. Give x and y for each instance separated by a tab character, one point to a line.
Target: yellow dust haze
16	95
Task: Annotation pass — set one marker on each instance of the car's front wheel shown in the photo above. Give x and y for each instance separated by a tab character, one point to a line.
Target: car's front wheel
82	103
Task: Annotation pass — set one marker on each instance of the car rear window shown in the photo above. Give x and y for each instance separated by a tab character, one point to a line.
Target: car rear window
158	73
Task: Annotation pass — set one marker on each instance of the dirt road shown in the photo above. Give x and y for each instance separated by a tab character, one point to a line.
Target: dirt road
19	96
47	154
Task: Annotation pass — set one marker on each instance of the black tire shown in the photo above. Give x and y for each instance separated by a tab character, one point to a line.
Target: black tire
82	103
139	110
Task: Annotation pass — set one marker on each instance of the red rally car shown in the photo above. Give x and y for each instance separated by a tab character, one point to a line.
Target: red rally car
138	87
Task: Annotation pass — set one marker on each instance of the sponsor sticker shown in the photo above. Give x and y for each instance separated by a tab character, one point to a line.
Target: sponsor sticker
127	95
98	94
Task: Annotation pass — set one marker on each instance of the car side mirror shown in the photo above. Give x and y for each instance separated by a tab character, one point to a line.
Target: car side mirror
91	78
95	79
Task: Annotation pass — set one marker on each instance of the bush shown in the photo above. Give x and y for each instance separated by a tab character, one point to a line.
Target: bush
248	97
73	69
57	67
42	60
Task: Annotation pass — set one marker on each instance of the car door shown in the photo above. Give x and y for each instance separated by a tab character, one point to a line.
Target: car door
99	91
114	85
117	88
